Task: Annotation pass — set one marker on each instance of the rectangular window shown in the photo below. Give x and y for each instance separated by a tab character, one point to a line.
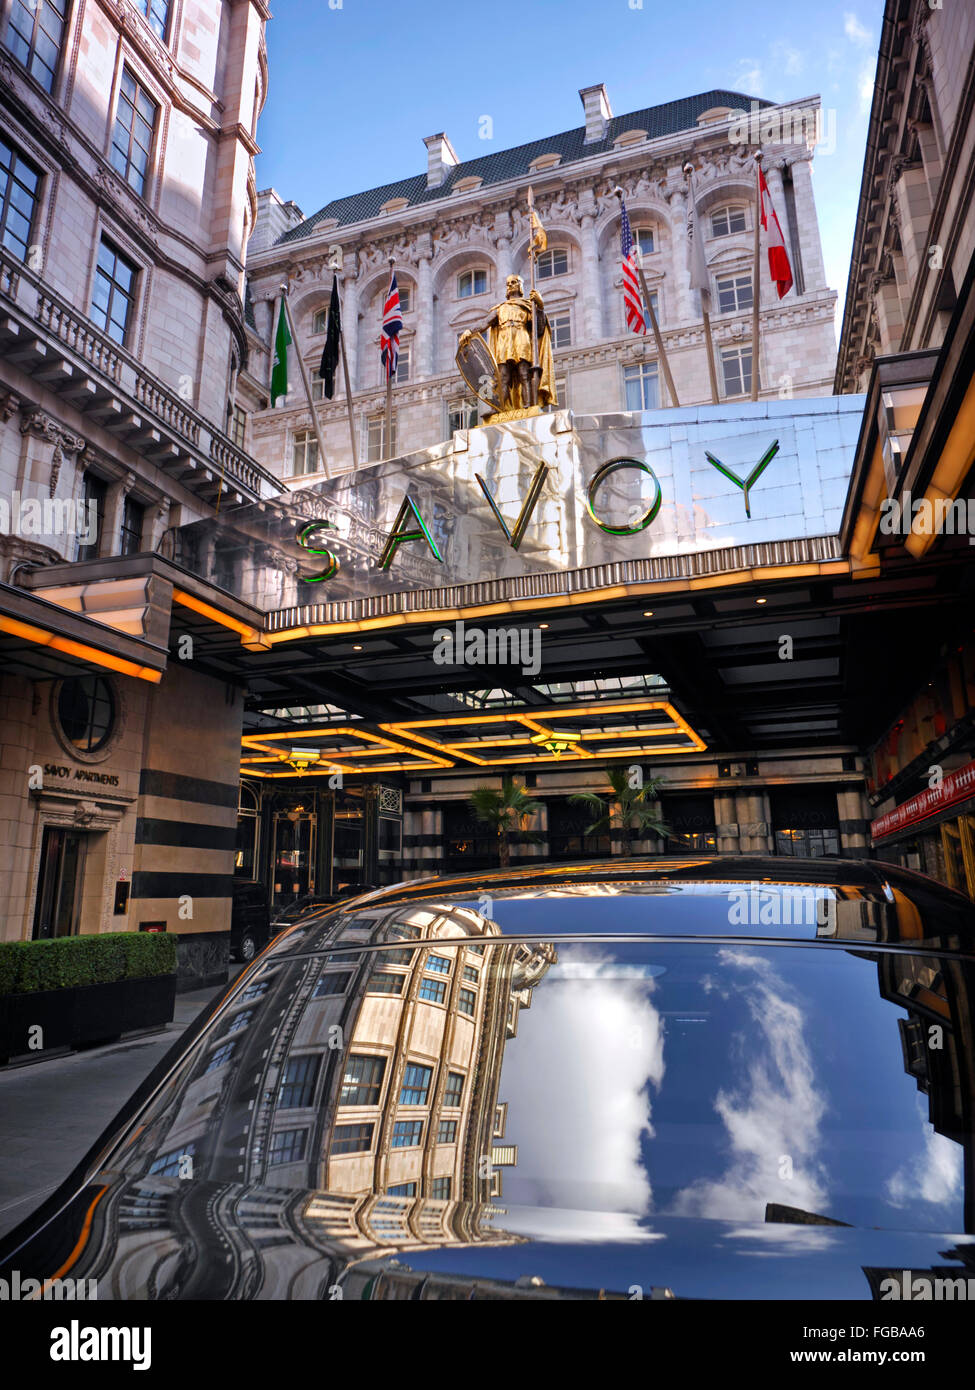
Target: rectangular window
172	1164
135	124
375	438
561	325
220	1058
19	191
384	982
402	1189
472	282
734	294
95	496
454	1088
113	295
471	974
447	1132
402	363
724	221
461	415
440	965
406	1134
405	299
133	520
641	385
416	1084
157	13
287	1146
35	35
335	983
736	364
466	1002
478	950
434	990
363	1080
551	263
255	991
351	1139
304	452
298	1082
440	1189
398	957
238	426
643	236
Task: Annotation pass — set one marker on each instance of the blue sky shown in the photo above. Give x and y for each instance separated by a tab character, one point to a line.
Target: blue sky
355	88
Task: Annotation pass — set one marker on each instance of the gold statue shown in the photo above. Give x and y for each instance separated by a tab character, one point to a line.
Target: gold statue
525	381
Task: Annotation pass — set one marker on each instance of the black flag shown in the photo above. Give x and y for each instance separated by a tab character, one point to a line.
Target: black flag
330	353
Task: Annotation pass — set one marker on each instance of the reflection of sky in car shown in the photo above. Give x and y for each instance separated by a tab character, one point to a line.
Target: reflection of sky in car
690	1090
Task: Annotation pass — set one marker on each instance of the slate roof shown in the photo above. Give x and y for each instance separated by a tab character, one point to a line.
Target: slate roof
657	121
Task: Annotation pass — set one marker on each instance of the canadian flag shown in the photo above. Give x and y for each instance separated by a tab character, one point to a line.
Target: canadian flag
778	258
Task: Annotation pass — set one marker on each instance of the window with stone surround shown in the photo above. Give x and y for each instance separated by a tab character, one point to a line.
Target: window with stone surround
35	35
471	283
734	293
654	300
461	415
20	184
319	321
157	13
133	521
641	386
113	293
403	360
304	453
736	365
645	238
727	220
238	426
375	430
553	262
135	126
561	325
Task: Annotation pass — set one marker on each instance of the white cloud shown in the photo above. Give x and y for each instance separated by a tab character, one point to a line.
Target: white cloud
865	85
786	59
748	77
579	1144
774	1111
855	31
934	1176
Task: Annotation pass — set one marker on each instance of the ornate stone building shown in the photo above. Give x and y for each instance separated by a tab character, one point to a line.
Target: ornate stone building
456	231
915	232
127	196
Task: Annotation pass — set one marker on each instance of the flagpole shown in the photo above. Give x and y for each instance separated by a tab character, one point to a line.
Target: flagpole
388	442
348	389
322	461
705	295
661	350
756	269
531	264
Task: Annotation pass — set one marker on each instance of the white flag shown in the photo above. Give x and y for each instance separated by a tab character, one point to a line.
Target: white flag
696	263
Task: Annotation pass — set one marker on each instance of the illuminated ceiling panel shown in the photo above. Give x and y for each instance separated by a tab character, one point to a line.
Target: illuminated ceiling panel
322	752
564	734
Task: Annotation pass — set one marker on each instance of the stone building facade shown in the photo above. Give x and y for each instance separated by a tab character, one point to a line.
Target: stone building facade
127	196
455	233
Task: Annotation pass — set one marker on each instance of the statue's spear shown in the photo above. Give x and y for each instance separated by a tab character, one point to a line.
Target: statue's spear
536	243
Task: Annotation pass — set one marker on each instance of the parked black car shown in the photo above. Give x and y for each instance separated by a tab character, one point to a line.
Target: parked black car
310	903
697	1078
250	919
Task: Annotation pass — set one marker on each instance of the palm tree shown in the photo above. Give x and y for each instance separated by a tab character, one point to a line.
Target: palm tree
626	805
506	810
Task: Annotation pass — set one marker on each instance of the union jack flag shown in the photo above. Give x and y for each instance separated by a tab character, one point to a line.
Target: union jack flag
632	299
392	324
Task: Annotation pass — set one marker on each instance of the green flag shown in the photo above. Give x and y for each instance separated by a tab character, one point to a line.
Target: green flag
279	372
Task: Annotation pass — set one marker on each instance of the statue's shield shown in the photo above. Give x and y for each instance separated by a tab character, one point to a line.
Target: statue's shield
479	369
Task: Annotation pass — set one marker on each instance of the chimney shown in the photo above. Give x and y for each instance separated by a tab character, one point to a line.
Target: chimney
598	111
274	218
440	159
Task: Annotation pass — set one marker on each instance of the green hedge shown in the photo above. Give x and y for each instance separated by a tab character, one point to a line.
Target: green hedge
29	966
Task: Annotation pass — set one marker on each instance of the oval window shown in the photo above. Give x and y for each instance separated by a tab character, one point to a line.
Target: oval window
86	712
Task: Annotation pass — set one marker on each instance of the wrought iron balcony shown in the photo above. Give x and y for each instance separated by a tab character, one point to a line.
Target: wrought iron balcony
57	345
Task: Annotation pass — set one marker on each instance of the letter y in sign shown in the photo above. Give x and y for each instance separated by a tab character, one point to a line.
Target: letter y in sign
746	484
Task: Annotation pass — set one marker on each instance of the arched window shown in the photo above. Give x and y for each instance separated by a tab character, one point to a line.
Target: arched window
645	238
472	282
725	221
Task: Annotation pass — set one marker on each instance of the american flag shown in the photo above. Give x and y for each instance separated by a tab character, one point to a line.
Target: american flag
392	323
632	301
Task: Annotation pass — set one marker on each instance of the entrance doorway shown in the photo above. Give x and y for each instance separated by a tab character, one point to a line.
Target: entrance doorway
58	908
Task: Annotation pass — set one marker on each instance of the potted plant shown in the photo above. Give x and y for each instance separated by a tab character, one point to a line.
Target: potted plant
628	809
505	811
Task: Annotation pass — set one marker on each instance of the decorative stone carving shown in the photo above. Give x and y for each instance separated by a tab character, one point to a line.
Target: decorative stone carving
9	405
